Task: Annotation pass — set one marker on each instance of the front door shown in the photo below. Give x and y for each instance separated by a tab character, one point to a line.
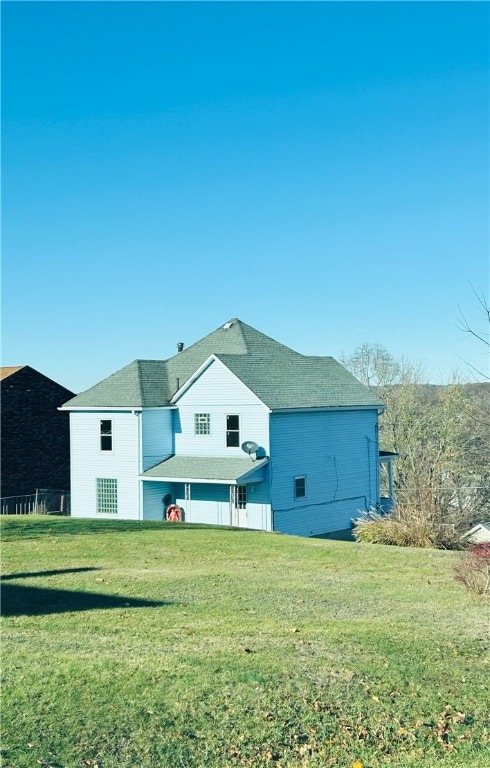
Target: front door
238	505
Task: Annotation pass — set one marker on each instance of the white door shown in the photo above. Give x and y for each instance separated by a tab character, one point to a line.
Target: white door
187	502
238	506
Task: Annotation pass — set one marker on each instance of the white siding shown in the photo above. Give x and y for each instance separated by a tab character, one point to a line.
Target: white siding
259	514
218	392
337	452
158	443
88	462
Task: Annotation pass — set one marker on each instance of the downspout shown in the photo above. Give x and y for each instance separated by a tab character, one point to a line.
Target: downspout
140	464
369	471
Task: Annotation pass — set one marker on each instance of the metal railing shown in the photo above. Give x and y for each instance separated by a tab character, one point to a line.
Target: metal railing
44	502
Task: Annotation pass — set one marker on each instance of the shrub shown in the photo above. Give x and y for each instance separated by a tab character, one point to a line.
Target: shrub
406	527
473	569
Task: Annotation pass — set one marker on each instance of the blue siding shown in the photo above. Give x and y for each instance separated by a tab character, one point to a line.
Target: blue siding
337	452
209	503
153	493
158	441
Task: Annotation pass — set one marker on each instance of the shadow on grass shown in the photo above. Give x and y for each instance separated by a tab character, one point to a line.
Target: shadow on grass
18	600
33	574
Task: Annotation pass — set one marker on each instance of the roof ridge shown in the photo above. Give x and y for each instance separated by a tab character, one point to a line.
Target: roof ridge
201	342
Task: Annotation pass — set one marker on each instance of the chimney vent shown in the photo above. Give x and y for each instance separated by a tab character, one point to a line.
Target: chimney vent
180	346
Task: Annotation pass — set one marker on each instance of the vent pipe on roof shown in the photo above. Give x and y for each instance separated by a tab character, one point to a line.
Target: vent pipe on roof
180	346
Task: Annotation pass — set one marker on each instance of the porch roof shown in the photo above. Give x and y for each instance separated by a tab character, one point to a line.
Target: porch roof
208	469
388	455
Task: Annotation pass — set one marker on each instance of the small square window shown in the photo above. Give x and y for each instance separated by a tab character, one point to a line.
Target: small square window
300	487
202	424
106	435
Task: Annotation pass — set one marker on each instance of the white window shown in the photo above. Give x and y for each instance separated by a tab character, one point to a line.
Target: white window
238	495
106	435
300	487
232	431
202	424
106	495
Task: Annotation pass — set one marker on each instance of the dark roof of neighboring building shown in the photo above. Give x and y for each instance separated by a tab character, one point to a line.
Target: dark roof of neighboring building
26	376
8	370
276	374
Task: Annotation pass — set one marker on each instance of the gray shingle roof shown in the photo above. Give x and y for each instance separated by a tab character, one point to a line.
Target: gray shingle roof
279	376
226	470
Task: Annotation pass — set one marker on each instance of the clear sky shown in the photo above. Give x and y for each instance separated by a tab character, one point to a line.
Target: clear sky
319	170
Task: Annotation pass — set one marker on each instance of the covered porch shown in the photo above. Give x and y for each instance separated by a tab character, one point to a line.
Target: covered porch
211	490
386	488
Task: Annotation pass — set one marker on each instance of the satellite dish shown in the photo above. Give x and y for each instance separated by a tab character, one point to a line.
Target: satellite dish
249	447
260	453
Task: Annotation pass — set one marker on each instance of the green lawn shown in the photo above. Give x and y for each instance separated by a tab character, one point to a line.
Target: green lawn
133	644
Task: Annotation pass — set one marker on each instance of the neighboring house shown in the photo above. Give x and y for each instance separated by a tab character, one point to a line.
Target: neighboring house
35	435
236	429
478	534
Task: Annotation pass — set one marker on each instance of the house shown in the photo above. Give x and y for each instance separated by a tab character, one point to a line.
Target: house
35	435
236	429
478	534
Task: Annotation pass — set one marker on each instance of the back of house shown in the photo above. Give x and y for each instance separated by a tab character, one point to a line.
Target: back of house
236	429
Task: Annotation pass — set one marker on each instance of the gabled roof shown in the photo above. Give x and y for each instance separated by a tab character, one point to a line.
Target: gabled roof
477	527
8	370
279	376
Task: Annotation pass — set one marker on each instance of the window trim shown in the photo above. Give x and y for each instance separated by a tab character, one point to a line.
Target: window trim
232	431
103	435
297	496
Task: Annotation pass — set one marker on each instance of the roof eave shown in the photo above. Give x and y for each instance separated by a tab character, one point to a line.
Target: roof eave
312	409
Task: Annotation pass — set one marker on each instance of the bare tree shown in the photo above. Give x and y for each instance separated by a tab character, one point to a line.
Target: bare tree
442	467
481	335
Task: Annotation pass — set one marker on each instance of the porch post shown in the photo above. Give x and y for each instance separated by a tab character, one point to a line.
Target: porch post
390	479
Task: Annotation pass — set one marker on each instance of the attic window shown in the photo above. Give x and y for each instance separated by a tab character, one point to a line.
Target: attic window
227	325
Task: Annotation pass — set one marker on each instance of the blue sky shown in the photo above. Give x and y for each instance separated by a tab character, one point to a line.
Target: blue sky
320	170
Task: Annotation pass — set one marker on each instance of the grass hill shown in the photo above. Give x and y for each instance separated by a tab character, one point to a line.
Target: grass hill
132	645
